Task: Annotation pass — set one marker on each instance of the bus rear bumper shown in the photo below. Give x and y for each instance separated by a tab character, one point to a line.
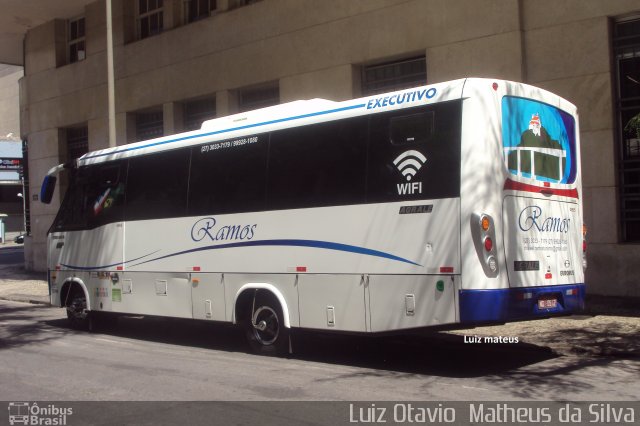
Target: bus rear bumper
512	304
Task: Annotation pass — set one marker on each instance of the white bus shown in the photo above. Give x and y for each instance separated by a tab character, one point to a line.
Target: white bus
457	203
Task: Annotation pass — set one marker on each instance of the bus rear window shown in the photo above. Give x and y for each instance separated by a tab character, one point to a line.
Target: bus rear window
538	141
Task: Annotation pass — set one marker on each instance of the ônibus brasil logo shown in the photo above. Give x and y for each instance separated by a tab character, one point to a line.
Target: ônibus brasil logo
409	163
25	413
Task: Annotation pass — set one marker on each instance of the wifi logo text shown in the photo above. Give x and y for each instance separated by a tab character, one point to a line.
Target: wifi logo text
409	163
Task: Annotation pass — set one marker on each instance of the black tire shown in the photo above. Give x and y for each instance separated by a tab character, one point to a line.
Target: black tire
264	327
77	314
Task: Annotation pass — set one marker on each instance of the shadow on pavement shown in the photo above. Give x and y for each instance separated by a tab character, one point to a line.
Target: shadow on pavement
18	327
524	370
434	354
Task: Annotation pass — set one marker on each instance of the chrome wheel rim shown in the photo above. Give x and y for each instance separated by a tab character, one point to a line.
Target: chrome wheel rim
266	326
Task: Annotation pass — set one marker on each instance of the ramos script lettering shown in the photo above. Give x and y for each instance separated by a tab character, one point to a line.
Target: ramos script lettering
531	217
205	228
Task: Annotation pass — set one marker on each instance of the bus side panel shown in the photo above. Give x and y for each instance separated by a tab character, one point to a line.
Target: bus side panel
333	302
410	301
208	297
96	249
86	256
154	293
412	237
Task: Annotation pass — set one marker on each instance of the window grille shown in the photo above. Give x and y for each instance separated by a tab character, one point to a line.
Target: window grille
392	76
199	9
149	125
77	142
626	48
195	112
258	97
150	18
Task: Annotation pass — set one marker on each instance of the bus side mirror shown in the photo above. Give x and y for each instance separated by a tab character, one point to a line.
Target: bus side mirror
48	186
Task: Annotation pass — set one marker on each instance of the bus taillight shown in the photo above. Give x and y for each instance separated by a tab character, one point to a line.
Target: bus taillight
483	232
488	244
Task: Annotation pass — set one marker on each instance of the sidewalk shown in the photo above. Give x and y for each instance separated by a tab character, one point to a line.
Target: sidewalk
17	284
609	328
21	286
602	331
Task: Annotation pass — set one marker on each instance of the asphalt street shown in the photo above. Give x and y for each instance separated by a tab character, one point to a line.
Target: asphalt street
12	255
149	359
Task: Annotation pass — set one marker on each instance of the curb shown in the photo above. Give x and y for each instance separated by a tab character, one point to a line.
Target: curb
25	300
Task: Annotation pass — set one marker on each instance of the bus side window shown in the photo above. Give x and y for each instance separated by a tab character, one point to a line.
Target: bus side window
228	176
415	154
94	198
105	194
318	165
412	128
157	185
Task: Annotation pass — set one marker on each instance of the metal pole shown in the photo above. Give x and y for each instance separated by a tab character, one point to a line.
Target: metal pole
111	79
24	209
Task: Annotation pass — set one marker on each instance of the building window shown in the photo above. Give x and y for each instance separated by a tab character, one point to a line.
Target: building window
149	125
392	76
76	43
234	4
626	47
150	18
195	112
199	9
77	142
258	97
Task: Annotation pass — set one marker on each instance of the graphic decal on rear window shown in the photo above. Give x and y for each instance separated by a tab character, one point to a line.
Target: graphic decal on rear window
538	140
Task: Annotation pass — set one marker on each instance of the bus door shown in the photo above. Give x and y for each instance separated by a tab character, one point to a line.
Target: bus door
541	207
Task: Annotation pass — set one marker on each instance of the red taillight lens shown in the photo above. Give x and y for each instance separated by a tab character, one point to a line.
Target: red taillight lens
488	244
584	246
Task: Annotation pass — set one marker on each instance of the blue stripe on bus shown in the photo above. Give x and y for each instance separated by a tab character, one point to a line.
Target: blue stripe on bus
217	132
509	304
327	245
91	268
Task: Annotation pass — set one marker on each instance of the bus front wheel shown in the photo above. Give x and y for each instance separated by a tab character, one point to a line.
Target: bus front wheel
77	314
265	328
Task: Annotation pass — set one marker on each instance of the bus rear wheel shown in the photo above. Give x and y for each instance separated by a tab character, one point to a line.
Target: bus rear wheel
265	328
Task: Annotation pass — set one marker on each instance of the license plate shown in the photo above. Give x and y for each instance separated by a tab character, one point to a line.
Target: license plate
547	303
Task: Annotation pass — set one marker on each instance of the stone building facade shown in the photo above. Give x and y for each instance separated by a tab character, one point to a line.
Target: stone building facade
11	205
180	61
